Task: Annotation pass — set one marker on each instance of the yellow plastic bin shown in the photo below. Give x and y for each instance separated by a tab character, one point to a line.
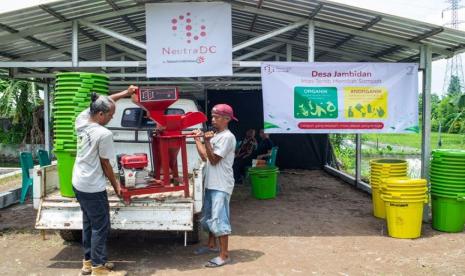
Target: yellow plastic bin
381	169
403	201
404	217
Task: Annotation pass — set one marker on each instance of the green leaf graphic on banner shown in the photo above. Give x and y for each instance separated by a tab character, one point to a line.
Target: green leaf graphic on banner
315	102
415	129
270	125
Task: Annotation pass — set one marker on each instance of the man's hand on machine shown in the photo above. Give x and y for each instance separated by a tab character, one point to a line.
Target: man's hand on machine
132	89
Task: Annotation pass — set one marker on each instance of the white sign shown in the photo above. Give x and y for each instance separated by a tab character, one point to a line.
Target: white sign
189	39
327	97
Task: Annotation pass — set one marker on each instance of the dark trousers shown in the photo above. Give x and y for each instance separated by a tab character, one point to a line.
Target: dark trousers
95	225
239	167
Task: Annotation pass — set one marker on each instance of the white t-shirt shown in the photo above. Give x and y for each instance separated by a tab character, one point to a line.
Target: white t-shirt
221	177
94	142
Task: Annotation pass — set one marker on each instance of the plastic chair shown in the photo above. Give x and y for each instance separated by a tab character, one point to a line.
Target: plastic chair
44	158
271	162
27	165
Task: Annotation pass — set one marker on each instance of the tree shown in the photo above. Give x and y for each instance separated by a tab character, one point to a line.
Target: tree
435	100
20	101
456	122
455	87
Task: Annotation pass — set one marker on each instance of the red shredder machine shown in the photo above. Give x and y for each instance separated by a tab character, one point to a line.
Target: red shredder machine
166	143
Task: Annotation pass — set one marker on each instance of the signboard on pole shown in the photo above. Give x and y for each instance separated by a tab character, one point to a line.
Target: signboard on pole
336	97
189	39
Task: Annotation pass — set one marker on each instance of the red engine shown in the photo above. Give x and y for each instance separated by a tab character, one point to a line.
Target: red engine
135	161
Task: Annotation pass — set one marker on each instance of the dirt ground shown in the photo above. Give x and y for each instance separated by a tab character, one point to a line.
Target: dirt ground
316	226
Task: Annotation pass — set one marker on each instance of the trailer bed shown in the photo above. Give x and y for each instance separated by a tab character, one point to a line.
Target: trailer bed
169	211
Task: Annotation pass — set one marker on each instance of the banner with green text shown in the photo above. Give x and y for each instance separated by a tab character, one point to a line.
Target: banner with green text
332	97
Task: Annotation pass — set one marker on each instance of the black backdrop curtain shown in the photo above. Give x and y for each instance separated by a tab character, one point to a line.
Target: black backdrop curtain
296	151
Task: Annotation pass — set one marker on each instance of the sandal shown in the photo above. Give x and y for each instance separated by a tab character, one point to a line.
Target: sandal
217	262
205	250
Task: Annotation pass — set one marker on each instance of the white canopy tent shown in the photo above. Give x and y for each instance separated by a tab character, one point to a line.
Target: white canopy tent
109	36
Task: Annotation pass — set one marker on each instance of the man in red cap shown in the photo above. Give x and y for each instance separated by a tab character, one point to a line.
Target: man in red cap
218	151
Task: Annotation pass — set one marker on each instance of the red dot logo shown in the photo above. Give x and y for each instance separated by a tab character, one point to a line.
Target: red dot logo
185	27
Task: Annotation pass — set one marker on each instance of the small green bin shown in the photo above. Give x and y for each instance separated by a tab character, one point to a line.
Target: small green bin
264	182
65	161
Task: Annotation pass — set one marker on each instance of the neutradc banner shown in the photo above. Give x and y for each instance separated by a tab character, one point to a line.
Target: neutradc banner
189	39
336	97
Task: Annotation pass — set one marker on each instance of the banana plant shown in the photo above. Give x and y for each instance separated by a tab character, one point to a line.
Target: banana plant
19	100
458	102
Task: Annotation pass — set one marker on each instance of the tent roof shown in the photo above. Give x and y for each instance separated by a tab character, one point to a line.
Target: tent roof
342	32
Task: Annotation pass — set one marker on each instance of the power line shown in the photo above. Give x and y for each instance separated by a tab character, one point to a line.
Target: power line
454	64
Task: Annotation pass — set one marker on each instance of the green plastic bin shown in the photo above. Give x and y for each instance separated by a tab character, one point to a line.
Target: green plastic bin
65	164
448	212
264	182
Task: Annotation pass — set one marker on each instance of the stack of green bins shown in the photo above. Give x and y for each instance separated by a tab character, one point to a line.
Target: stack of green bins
447	176
72	96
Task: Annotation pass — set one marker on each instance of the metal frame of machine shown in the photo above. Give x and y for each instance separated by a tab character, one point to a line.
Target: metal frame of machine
166	142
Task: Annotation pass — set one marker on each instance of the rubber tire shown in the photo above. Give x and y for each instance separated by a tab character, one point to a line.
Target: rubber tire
193	236
71	235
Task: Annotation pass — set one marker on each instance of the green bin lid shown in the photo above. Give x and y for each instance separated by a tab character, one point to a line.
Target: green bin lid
82	75
84	80
448	167
449	153
446	178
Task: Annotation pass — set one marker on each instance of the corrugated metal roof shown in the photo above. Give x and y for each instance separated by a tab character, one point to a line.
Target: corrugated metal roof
342	32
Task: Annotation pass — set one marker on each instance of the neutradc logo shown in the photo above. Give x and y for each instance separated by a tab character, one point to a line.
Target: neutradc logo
189	27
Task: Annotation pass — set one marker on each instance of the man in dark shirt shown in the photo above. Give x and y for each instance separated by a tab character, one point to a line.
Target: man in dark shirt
264	146
244	154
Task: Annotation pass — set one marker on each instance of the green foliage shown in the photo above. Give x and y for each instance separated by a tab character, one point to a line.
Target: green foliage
19	101
455	88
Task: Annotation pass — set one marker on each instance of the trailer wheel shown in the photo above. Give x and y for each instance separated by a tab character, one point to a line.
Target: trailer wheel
71	235
193	236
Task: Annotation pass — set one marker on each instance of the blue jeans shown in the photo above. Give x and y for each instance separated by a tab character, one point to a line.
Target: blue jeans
95	225
215	213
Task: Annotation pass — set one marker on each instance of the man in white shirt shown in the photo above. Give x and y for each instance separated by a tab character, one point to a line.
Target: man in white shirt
91	170
218	152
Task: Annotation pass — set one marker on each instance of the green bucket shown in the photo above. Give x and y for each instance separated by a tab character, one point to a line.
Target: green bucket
448	213
65	164
264	182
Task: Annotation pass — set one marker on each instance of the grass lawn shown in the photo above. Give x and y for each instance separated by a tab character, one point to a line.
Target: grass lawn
449	141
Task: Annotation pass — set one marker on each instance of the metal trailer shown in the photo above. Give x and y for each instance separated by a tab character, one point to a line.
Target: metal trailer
157	212
170	213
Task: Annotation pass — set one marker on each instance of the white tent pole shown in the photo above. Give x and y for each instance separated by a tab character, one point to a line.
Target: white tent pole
289	52
47	117
114	34
311	41
426	67
75	45
271	34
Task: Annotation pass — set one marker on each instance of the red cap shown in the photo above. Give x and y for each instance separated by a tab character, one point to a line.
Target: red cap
224	110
